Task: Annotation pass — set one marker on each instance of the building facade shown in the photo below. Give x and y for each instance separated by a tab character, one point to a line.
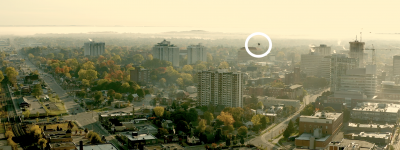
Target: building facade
322	49
357	51
140	76
220	88
94	48
340	63
359	79
166	51
396	65
377	112
310	63
196	53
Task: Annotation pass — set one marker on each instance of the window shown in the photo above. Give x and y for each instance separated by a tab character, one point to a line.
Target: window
326	127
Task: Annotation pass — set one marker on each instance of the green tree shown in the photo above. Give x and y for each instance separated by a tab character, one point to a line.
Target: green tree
187	68
50	56
308	110
130	97
118	96
242	131
163	132
60	55
202	126
277	84
256	119
223	65
264	121
1	76
289	130
179	81
159	111
260	105
37	90
138	58
242	140
12	74
42	143
208	116
162	82
329	109
98	97
95	138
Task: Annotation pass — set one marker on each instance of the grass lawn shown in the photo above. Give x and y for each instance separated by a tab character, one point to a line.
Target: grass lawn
101	109
61	110
64	126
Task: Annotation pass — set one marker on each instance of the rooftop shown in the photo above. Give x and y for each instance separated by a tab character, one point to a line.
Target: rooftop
371	125
107	146
307	136
320	115
139	137
377	107
64	144
172	146
374	135
364	145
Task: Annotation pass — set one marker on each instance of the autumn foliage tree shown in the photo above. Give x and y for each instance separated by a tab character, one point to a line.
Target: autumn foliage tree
159	111
226	118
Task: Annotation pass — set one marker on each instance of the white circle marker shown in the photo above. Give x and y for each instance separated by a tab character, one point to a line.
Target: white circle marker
247	43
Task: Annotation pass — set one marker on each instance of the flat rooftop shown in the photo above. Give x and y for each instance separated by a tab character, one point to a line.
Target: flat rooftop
319	115
374	135
377	107
364	145
107	146
60	145
307	136
139	137
371	125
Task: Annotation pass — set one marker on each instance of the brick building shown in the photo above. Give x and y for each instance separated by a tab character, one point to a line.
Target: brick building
316	131
140	76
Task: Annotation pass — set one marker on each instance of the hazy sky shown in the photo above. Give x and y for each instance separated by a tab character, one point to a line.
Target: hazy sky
297	16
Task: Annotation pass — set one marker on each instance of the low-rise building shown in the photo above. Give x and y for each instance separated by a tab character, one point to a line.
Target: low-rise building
138	141
121	116
169	146
316	131
357	127
62	146
272	101
377	112
58	136
347	144
373	137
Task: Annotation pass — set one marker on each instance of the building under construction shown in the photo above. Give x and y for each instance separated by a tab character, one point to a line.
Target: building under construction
357	51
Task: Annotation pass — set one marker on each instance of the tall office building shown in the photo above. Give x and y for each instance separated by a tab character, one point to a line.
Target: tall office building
396	65
167	51
220	88
196	53
325	68
340	63
310	63
357	51
322	50
93	48
360	79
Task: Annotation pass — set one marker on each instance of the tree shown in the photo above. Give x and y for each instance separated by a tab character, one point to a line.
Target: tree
1	76
37	90
70	125
138	58
241	140
289	130
162	82
95	138
150	57
192	115
218	134
11	74
50	56
85	82
60	55
202	126
226	118
98	97
86	130
42	143
37	114
329	109
256	119
187	68
183	126
260	105
140	93
308	110
130	97
277	84
208	116
179	81
110	93
163	131
200	67
228	142
223	65
264	121
9	134
346	114
159	111
12	144
242	131
118	95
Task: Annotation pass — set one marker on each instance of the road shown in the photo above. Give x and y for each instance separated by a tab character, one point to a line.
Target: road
262	141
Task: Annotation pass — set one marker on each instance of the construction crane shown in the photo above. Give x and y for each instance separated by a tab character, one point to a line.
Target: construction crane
373	53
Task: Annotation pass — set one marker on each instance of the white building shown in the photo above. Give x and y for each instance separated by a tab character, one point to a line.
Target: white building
166	51
220	88
196	53
94	48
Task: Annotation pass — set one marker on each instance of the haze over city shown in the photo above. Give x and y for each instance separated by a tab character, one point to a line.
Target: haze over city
179	75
